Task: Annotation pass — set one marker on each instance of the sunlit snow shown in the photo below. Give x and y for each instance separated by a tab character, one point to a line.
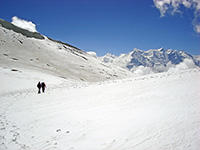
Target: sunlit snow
89	105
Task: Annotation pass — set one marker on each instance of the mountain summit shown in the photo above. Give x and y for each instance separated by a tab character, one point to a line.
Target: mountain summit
153	58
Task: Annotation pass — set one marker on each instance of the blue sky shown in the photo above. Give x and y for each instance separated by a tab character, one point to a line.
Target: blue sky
114	26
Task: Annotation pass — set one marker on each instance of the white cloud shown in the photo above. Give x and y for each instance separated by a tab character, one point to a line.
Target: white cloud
141	70
162	5
186	64
197	28
28	25
172	6
93	54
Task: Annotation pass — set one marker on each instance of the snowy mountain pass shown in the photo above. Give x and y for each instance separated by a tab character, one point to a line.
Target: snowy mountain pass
159	111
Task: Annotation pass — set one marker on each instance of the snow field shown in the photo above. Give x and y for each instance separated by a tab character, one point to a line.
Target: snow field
159	111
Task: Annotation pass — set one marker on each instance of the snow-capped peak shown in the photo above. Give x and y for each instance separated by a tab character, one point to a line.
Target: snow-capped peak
161	49
153	58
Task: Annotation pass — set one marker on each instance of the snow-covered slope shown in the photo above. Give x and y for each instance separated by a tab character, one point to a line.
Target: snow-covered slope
156	59
159	111
22	50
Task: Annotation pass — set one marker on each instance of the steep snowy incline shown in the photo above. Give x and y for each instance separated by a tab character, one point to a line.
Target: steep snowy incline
47	56
159	111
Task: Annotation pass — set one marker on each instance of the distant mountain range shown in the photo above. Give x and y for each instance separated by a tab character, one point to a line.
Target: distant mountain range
153	58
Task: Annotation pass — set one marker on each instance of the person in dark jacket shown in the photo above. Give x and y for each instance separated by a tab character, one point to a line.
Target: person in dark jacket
39	87
43	86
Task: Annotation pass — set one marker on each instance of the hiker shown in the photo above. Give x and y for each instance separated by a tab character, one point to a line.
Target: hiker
39	87
43	86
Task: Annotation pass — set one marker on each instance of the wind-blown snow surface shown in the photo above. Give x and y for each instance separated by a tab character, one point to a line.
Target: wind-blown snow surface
159	111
